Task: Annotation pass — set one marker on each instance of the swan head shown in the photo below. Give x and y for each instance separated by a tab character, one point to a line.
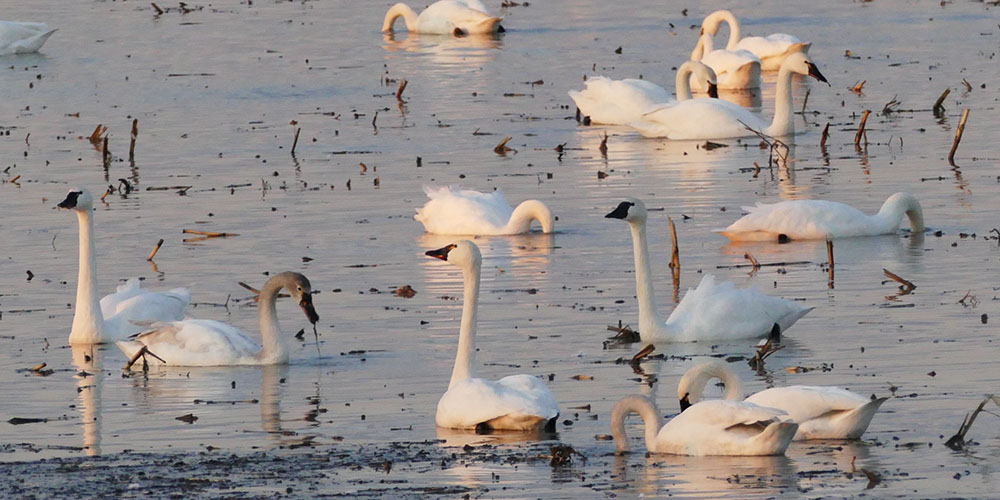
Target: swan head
630	210
300	289
704	73
464	254
799	62
78	199
692	384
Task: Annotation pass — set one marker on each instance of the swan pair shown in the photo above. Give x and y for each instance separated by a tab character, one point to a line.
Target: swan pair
618	102
711	311
736	69
820	219
821	412
22	38
454	211
445	17
176	341
516	402
718	119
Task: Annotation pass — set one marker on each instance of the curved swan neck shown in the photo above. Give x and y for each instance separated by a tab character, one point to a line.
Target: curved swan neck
465	359
682	84
650	322
703	47
650	418
900	204
400	10
783	123
88	321
694	381
527	211
712	23
274	349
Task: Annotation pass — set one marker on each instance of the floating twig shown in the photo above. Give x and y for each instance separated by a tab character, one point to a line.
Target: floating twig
141	353
753	261
826	134
209	234
502	149
957	442
645	351
861	128
907	285
157	8
765	350
858	86
958	137
155	249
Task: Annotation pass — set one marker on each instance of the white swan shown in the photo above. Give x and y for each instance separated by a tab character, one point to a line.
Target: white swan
22	38
205	342
719	119
96	321
821	219
517	402
772	49
735	69
711	311
618	102
456	211
821	412
711	428
446	17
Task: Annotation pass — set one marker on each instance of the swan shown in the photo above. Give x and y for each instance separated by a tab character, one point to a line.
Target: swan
97	321
455	211
821	412
711	311
719	119
22	38
205	342
617	102
517	402
711	428
821	219
772	49
446	17
735	69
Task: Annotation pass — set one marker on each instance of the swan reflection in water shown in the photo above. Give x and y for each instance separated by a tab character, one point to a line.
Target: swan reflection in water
446	51
709	477
86	359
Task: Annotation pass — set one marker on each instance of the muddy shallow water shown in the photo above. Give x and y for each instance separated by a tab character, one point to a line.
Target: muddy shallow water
216	90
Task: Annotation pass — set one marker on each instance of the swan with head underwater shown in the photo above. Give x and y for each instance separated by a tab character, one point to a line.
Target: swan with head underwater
455	211
707	428
514	403
112	317
718	119
446	17
618	102
772	49
204	342
22	38
735	69
822	412
821	219
713	311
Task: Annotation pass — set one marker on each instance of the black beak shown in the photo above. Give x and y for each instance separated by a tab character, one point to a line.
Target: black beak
440	253
713	90
621	212
814	72
70	201
307	307
685	403
500	29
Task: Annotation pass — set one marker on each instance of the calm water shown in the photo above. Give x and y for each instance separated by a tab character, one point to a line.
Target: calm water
216	91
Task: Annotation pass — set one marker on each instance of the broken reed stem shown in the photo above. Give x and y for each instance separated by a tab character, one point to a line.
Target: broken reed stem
675	258
756	265
139	354
131	144
296	141
604	145
155	249
939	104
861	128
209	234
107	154
502	149
826	134
958	136
805	100
829	254
399	91
895	277
159	11
95	138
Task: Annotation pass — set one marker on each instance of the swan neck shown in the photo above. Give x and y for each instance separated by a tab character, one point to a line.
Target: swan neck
734	30
400	10
88	321
525	213
650	322
274	349
682	85
693	382
650	418
703	47
783	123
892	212
465	359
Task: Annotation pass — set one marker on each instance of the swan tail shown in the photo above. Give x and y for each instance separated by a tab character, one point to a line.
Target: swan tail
861	417
802	47
775	438
488	25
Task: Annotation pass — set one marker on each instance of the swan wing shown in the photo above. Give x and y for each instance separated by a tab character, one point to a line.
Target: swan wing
475	401
698	119
770	46
132	304
718	427
802	219
443	16
19	38
617	102
193	342
803	402
464	212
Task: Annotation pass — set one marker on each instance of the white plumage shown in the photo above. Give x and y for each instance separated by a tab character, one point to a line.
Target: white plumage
456	211
22	38
445	17
772	49
734	68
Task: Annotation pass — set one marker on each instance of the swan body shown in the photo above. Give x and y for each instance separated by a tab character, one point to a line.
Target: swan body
821	412
203	342
97	321
719	119
456	211
734	68
772	49
517	402
618	102
713	428
821	219
22	38
445	17
713	311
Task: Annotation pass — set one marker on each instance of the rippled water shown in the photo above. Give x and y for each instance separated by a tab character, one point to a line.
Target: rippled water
216	91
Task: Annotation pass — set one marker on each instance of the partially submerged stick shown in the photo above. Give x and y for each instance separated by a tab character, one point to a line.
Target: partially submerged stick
155	249
895	277
939	104
957	442
134	135
141	354
107	154
826	133
958	137
399	91
753	261
829	253
209	234
675	258
296	141
861	128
